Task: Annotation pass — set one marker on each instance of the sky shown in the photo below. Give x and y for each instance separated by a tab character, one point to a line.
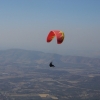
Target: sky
25	24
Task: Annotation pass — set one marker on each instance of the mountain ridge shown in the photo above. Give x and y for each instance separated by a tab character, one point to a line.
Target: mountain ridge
38	57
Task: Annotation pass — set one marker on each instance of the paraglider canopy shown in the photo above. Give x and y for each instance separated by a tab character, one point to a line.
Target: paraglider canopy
56	33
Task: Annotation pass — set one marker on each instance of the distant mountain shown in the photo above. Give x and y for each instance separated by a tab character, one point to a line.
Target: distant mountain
85	53
41	58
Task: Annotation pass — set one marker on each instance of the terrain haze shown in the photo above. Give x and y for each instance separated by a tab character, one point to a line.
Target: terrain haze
26	75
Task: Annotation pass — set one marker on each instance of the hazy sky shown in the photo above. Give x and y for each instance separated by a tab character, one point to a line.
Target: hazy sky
25	24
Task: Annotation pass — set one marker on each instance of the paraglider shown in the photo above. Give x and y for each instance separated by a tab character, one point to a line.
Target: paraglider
56	33
59	36
51	65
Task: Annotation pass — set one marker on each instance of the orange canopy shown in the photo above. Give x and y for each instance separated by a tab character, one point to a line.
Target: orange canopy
56	33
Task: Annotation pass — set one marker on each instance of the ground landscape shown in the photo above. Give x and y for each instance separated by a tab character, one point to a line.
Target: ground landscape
25	75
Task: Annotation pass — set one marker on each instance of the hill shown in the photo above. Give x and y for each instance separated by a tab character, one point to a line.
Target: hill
37	58
25	75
